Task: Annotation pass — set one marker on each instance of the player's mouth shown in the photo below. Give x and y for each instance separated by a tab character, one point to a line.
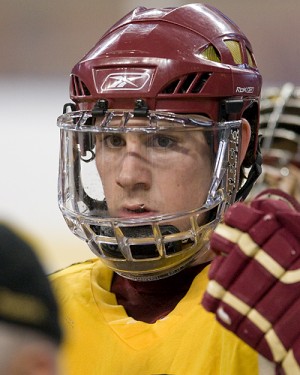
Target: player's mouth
136	210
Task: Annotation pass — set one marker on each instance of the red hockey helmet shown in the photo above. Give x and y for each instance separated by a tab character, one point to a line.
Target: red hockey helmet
174	68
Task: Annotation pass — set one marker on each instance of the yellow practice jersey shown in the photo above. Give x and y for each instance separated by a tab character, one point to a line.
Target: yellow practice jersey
100	338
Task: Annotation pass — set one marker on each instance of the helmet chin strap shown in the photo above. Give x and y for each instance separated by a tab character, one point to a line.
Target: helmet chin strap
253	175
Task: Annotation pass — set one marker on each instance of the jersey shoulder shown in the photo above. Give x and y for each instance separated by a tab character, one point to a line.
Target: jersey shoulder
74	268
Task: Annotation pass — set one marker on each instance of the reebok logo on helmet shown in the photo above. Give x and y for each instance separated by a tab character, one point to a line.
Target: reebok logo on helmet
246	90
125	81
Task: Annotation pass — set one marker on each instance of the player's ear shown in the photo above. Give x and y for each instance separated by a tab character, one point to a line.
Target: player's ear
246	135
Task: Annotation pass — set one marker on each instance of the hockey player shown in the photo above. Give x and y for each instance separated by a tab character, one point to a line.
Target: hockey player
160	139
280	145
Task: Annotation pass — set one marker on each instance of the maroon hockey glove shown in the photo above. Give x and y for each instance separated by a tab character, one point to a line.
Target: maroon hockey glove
254	286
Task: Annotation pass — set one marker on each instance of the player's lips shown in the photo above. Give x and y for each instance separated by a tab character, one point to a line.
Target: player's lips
136	210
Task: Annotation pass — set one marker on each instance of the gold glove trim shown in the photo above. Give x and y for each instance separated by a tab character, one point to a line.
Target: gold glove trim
291	277
290	364
252	250
218	292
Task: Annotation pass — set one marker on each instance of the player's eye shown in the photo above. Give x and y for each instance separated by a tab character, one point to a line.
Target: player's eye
114	141
162	141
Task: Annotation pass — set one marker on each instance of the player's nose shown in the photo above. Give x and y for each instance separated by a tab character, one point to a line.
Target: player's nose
135	169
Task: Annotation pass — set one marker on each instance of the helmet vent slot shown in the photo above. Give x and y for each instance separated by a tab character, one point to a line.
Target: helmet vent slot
171	88
186	83
251	60
189	84
235	50
211	53
78	87
200	82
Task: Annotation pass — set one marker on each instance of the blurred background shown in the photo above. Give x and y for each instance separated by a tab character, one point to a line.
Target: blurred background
40	41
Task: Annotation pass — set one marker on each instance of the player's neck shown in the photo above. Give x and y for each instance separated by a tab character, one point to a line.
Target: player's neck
149	301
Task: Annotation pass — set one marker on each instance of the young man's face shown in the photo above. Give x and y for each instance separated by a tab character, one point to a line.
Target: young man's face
150	174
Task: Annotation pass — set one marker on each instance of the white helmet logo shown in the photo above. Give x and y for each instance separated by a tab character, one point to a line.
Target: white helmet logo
125	81
245	90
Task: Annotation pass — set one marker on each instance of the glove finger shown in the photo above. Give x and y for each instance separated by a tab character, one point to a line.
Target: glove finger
221	268
225	268
266	267
291	362
281	296
282	199
288	327
290	221
242	217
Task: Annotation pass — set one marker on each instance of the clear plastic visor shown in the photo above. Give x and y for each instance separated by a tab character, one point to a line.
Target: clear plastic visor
162	178
143	167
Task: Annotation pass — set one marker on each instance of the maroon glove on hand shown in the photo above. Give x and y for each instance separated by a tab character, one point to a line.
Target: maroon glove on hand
254	286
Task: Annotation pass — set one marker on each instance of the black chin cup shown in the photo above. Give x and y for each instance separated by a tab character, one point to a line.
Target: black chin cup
143	251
